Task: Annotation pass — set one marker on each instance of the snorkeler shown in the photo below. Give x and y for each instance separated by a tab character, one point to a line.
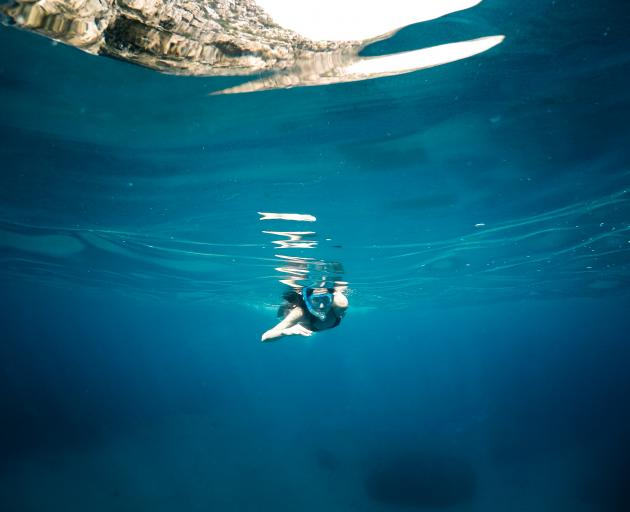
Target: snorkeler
308	311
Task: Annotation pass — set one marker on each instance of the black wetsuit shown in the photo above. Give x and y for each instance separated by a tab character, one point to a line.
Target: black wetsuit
331	320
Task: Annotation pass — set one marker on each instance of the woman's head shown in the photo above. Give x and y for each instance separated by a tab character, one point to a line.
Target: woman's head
318	300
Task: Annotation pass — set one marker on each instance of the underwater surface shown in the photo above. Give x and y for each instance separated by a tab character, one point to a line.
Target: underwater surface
479	212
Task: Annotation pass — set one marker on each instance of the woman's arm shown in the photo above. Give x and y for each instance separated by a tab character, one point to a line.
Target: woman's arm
288	327
340	301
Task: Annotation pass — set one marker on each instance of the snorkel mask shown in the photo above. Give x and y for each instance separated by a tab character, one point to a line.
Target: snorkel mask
318	304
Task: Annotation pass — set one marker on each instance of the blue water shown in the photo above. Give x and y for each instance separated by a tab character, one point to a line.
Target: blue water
480	212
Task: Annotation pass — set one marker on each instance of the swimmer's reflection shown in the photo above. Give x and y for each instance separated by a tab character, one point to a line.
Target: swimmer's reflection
309	309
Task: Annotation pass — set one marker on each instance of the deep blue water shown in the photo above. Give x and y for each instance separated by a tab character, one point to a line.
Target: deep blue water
480	212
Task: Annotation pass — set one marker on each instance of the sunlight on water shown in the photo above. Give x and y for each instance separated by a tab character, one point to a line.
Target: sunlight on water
333	20
287	216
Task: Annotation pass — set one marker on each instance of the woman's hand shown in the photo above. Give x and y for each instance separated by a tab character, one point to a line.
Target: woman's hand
290	326
295	330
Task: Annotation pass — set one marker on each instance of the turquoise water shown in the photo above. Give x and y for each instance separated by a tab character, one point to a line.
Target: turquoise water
480	212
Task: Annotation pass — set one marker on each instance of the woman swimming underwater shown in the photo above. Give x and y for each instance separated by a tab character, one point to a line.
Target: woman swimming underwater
309	310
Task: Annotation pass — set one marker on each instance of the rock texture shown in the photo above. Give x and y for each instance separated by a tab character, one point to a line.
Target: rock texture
189	37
